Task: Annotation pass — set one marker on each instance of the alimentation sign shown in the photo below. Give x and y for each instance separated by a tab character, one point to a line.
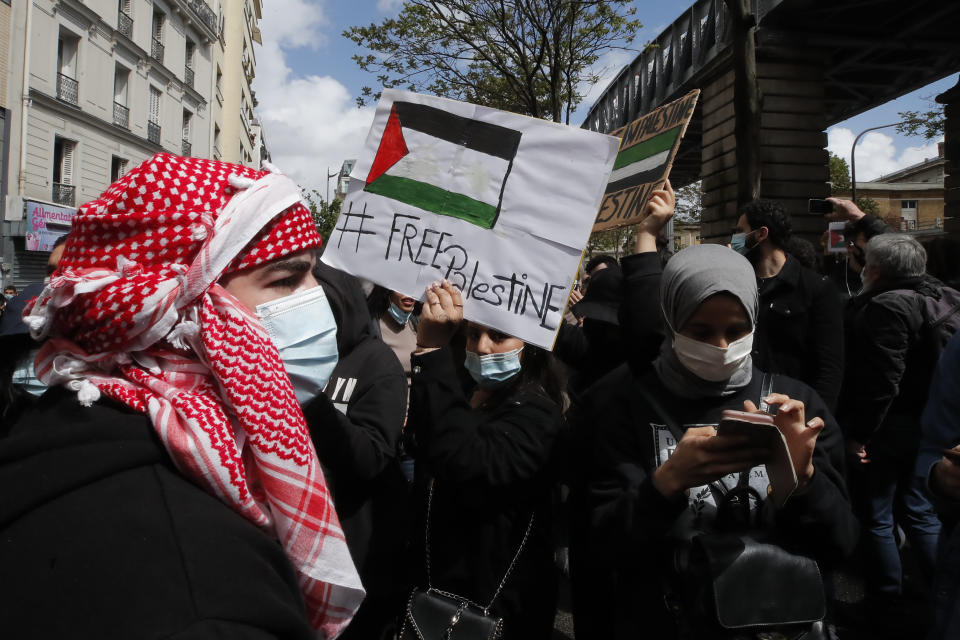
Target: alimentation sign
46	223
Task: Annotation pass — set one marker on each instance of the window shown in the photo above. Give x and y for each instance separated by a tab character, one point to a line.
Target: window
153	120
155	105
125	18
156	46
219	85
121	78
186	148
63	156
158	23
216	142
67	87
121	114
118	167
908	209
189	54
67	55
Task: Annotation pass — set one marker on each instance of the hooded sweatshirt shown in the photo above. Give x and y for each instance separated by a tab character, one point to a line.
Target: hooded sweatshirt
356	427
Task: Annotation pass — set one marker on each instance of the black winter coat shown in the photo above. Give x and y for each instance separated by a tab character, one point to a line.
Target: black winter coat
630	519
889	365
800	330
102	537
492	468
355	426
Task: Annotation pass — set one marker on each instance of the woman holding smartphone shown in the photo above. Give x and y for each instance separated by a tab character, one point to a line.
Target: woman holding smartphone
488	459
655	449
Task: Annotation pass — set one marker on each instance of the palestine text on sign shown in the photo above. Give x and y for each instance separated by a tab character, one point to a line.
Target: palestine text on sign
647	148
443	163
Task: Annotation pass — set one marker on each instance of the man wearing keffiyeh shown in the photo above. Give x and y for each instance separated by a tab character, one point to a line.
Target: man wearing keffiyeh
155	318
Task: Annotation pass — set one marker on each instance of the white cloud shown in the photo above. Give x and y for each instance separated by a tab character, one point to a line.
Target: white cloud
311	122
295	23
877	154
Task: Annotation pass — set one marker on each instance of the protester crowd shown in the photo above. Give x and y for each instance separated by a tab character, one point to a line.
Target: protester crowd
207	432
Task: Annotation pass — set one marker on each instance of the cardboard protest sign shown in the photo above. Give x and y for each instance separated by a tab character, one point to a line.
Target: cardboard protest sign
647	149
499	204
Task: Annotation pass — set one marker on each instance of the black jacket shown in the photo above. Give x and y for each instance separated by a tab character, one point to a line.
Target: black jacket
800	330
356	428
889	364
492	468
102	537
630	519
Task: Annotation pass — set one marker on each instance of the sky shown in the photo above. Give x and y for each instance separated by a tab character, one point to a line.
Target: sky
307	84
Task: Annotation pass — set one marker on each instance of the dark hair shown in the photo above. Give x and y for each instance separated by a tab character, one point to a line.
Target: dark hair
770	214
59	241
379	300
803	250
540	372
598	260
869	225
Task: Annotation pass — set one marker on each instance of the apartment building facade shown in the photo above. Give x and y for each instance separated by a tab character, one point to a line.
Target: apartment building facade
234	131
98	87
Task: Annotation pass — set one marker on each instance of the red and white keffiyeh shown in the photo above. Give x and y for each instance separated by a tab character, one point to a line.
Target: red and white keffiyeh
134	312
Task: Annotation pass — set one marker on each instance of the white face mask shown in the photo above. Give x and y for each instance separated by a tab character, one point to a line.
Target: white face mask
708	362
304	331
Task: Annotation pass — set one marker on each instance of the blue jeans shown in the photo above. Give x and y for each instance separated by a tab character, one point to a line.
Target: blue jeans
886	490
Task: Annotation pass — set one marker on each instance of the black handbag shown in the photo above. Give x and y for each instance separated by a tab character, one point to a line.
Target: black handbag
734	582
433	614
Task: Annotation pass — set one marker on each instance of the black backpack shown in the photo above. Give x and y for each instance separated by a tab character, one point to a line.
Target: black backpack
941	319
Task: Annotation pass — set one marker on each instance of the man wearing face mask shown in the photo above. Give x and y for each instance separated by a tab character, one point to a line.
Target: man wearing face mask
180	329
890	364
800	321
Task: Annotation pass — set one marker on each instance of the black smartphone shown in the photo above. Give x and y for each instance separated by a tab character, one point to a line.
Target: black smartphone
818	207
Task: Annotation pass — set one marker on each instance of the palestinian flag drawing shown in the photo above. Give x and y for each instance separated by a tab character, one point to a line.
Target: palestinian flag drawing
643	162
443	163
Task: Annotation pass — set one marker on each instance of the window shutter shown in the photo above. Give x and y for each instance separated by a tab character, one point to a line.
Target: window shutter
154	105
186	125
66	166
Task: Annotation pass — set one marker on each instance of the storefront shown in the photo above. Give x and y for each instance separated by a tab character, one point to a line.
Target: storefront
28	242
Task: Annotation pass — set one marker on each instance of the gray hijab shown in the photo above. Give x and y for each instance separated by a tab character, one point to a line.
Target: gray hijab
690	277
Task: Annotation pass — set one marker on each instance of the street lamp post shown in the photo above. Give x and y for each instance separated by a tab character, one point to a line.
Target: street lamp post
853	156
330	175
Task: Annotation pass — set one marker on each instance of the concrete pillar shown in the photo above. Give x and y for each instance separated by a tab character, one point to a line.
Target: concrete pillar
795	159
950	100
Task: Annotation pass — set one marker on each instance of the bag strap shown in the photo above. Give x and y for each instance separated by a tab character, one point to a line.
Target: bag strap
506	576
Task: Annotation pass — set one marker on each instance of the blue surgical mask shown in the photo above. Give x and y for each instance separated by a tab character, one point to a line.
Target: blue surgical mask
399	315
738	242
26	378
304	331
493	369
8	296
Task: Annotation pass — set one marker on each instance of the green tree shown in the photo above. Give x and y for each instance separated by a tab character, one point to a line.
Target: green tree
617	242
527	57
690	202
839	175
930	123
324	213
869	206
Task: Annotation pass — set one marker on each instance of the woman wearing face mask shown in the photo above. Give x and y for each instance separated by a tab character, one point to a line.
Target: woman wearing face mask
489	458
644	485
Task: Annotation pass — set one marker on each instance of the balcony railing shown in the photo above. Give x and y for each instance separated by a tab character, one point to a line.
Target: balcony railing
204	13
64	194
188	77
121	115
67	89
125	24
156	50
153	132
186	149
